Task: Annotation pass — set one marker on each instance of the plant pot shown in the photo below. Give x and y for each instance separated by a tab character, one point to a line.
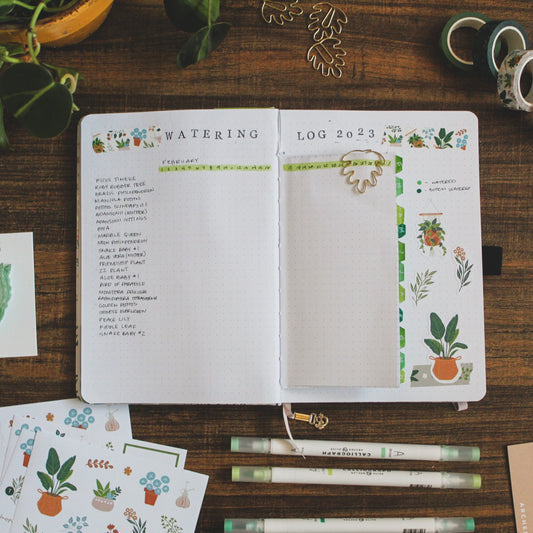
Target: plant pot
150	497
26	459
62	29
103	504
445	370
50	504
136	141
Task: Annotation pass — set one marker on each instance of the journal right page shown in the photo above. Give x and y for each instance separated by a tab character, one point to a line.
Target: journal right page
440	286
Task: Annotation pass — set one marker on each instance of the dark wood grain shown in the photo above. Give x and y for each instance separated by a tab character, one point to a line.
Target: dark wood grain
393	62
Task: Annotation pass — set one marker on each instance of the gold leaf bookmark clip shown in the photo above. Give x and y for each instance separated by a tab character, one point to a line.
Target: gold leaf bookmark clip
360	185
280	11
320	421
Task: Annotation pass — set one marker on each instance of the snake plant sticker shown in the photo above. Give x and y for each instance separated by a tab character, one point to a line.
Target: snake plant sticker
55	483
105	496
444	345
5	288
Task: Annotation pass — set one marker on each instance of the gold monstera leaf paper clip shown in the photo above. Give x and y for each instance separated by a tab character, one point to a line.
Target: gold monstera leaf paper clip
280	12
350	162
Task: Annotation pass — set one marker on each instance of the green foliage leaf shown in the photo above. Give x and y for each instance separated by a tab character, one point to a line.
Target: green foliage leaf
191	15
434	345
52	463
202	43
66	471
66	486
459	345
30	94
46	480
451	329
437	327
6	7
4	142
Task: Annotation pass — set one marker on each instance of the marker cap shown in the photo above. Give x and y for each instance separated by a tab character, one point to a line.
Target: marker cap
460	453
257	474
450	525
244	525
250	445
453	480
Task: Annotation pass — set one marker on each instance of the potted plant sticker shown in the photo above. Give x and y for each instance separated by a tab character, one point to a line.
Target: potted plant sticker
54	481
104	497
153	487
444	345
431	235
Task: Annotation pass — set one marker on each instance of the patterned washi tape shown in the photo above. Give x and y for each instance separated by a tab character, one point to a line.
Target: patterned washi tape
468	19
485	44
509	76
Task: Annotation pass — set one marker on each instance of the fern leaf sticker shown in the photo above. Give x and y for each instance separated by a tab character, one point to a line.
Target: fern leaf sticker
280	12
327	56
5	288
420	288
326	20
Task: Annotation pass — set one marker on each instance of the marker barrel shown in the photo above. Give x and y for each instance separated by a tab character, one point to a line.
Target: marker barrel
342	476
349	525
355	450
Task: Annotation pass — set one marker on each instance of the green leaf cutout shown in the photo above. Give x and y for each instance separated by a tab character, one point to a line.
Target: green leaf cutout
202	43
451	329
52	463
66	471
437	327
46	480
31	95
435	346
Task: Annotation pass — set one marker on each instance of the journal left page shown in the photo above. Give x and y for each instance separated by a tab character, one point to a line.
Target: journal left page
178	257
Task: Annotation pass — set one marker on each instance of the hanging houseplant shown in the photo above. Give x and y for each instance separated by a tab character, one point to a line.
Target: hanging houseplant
37	94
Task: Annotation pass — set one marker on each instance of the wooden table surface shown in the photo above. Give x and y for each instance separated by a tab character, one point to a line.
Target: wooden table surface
393	63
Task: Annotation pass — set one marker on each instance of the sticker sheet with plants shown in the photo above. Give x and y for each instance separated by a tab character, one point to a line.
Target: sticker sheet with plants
105	425
78	488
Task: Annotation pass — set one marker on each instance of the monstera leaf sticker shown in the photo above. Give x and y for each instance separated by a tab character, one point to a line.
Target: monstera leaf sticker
5	288
197	17
42	105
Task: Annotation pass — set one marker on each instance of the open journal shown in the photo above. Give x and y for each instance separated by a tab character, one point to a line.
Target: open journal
262	256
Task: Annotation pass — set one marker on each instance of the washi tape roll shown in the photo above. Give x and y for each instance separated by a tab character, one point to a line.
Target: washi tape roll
468	19
512	69
511	33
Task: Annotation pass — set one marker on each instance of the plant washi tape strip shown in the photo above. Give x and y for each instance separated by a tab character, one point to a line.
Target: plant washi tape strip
467	19
5	288
510	74
487	39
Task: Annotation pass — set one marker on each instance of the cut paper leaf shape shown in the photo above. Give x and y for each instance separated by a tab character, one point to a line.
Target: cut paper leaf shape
351	162
280	12
326	20
5	288
326	56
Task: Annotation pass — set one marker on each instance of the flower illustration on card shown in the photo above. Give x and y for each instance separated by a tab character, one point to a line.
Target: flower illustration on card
81	419
153	487
464	269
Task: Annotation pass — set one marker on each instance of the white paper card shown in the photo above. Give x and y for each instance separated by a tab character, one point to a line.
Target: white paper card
79	488
18	328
